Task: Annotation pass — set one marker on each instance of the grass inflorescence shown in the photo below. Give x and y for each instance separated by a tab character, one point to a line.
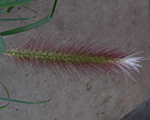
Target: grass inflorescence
84	57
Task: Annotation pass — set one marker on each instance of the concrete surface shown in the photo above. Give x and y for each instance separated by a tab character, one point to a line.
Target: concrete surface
126	24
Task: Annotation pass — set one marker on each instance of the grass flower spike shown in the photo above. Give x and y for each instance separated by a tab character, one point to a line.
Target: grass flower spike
78	56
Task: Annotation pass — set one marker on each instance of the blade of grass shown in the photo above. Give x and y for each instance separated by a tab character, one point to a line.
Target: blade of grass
32	25
15	19
53	9
7	95
7	11
24	102
2	44
10	3
11	114
18	101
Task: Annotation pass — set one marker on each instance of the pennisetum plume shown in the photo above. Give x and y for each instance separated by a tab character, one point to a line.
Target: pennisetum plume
83	57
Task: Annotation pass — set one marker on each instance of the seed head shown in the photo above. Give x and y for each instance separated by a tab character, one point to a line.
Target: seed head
82	56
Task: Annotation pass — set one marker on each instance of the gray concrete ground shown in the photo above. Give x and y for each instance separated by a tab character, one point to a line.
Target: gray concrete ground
124	23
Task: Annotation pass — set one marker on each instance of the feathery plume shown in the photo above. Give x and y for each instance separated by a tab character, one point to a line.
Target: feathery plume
84	57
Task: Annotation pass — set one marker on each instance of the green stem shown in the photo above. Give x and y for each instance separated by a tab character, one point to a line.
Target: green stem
58	57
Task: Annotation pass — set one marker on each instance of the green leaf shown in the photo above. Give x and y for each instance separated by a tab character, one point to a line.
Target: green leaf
10	3
7	95
32	25
24	102
15	19
9	9
18	101
11	114
25	28
2	44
